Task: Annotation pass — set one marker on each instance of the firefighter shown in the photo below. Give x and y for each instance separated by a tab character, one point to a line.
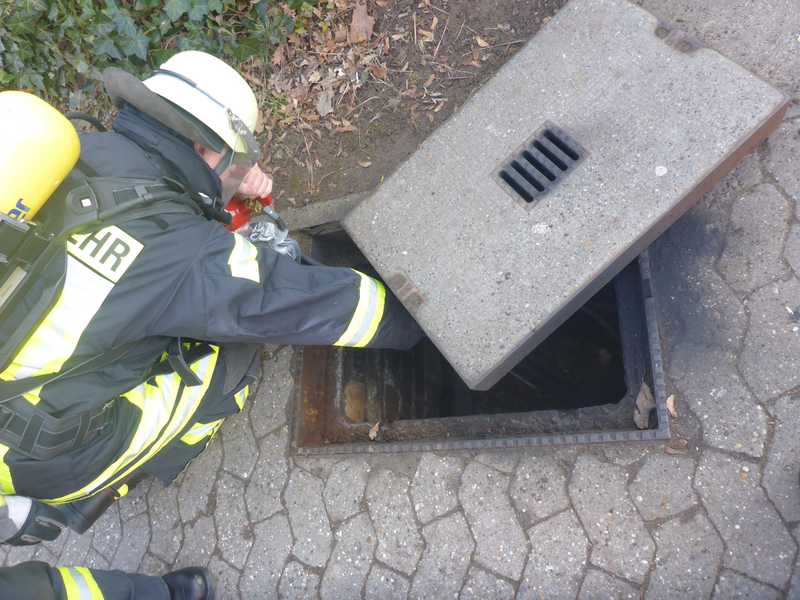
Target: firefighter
36	580
150	338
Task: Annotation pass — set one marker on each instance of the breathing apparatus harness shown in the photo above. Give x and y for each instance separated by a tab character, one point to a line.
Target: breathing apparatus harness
85	203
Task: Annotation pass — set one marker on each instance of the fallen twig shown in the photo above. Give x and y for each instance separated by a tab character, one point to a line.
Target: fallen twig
444	31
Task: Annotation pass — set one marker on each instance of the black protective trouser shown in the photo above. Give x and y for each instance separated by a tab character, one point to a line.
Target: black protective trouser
39	581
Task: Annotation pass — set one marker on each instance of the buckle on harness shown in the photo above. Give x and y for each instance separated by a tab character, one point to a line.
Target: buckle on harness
177	360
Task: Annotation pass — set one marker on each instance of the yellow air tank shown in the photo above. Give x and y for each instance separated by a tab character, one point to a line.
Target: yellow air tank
38	149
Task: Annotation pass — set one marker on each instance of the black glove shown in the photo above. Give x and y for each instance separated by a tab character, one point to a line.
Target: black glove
44	524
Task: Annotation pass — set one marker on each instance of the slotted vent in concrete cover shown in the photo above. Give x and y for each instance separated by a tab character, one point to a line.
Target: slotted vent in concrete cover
489	275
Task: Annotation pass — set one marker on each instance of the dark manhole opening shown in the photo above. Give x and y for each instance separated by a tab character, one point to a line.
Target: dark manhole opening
578	386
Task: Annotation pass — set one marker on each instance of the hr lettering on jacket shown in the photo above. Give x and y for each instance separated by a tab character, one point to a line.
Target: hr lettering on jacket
108	251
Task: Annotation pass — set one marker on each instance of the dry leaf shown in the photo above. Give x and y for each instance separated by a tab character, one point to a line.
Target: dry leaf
361	25
429	80
671	406
644	404
434	23
378	71
382	3
279	56
677	446
364	163
325	103
481	42
373	431
340	35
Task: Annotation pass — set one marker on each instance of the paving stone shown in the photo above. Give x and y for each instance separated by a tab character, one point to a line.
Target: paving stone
312	532
539	488
226	578
770	359
199	543
263	495
18	554
558	559
76	548
481	585
239	445
663	486
56	547
108	532
711	387
349	564
687	559
602	586
165	522
444	563
43	554
733	586
268	411
501	542
383	584
152	565
297	583
399	541
344	489
620	542
198	480
235	534
434	489
502	460
752	254
625	455
697	305
783	460
135	502
791	251
757	542
135	537
763	40
784	148
267	558
95	560
319	466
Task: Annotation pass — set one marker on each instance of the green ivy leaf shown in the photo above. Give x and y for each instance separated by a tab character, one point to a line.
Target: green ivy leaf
175	9
199	10
107	48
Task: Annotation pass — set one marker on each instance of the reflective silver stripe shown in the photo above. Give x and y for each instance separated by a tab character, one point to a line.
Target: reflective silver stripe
367	316
80	582
243	260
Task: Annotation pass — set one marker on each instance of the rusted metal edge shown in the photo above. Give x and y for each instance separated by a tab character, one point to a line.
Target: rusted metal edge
318	372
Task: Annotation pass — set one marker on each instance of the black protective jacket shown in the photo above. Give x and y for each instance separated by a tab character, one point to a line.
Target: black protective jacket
148	281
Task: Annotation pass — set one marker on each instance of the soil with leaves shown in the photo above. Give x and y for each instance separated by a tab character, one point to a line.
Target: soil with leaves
345	104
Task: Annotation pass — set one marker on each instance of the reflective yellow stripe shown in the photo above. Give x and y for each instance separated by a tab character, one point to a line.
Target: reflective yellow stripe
200	431
243	260
55	339
94	589
156	427
6	483
240	396
70	585
367	316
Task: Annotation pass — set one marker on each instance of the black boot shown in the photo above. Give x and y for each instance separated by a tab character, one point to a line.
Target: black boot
191	583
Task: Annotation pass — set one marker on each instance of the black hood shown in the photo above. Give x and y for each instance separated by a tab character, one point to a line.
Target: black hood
176	151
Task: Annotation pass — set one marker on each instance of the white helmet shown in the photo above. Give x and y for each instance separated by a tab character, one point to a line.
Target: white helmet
211	91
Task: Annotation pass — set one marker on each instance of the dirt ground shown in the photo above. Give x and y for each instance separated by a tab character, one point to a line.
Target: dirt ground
424	60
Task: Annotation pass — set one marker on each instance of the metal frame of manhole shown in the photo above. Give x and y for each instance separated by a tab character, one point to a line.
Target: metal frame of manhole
310	407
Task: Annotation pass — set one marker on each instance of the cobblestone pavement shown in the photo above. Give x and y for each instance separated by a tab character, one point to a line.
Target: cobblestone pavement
589	522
